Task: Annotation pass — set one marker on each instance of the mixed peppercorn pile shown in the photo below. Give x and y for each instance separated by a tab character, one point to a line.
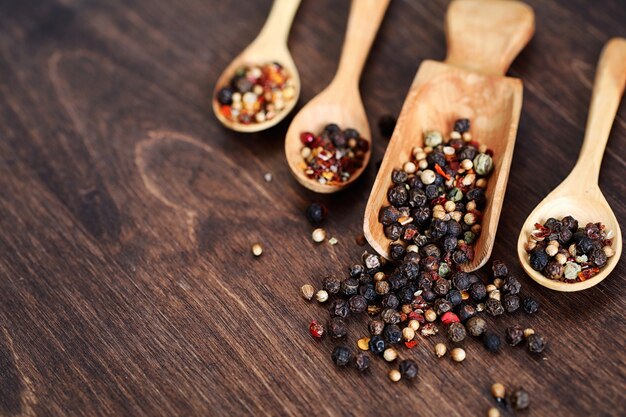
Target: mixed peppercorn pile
256	93
422	290
562	251
334	155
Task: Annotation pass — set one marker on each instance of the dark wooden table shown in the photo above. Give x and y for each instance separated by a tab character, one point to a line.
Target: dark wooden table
127	286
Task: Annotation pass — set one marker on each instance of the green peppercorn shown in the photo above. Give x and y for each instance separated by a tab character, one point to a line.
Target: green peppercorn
483	164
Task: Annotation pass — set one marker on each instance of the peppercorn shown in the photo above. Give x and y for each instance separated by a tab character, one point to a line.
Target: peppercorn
339	308
390	301
494	307
462	125
337	328
397	251
461	281
441	306
307	291
514	335
493	412
377	345
440	350
511	285
511	303
456	332
331	284
316	213
349	286
395	375
361	361
449	318
530	305
441	287
390	354
390	316
519	399
321	296
392	334
466	312
499	269
454	297
368	292
536	343
318	235
382	287
376	327
491	341
498	391
538	259
476	326
458	355
357	303
341	355
478	291
398	195
553	270
408	368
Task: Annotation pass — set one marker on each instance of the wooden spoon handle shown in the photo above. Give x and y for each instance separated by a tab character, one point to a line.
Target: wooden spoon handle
363	23
486	35
276	28
608	89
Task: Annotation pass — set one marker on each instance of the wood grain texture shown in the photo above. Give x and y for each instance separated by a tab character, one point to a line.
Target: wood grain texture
127	212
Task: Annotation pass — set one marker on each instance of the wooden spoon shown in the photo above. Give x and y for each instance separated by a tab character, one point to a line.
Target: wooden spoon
269	46
579	195
340	102
484	36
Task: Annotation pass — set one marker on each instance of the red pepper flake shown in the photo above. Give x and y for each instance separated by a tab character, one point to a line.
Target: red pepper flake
588	273
414	315
441	172
403	317
411	344
439	200
316	330
449	318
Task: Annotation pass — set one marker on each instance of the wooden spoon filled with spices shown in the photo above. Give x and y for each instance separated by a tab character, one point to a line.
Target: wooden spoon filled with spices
579	194
261	85
335	119
453	143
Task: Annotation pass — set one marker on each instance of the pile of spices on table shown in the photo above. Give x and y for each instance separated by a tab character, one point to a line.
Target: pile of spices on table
334	155
562	251
422	291
256	93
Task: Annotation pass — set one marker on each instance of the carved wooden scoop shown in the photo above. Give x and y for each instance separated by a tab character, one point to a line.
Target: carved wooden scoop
484	36
579	195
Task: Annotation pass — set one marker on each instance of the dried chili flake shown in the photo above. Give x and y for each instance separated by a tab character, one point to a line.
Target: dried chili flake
411	344
441	172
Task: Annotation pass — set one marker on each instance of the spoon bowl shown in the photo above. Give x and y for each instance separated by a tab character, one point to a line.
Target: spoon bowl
340	102
579	195
469	85
269	46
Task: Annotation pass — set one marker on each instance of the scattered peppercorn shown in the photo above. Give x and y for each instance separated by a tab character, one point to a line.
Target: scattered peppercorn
257	249
456	332
321	296
395	375
536	343
562	251
519	399
498	391
491	341
307	291
377	345
440	349
458	355
476	326
494	307
511	303
493	412
530	305
408	368
256	93
316	213
514	335
361	361
337	328
390	354
341	355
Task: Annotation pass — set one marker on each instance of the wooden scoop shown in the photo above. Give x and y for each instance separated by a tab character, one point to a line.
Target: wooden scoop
579	195
340	102
269	46
484	36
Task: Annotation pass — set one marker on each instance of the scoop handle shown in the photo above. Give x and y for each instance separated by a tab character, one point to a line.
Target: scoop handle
278	24
486	35
608	89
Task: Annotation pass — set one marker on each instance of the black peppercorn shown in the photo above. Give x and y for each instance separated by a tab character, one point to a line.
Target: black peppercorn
332	284
456	332
538	258
398	195
441	287
449	243
389	215
454	228
553	270
361	361
349	286
377	345
393	231
337	328
341	355
399	176
376	327
499	269
392	334
598	257
413	257
356	270
466	312
429	263
339	308
536	343
584	245
436	158
390	301
429	296
530	305
431	250
368	291
225	96
442	306
478	291
382	287
462	125
467	152
511	285
570	223
514	335
431	192
438	228
390	316
417	198
386	125
409	270
408	368
491	341
358	304
511	303
397	251
494	307
459	257
405	295
461	281
519	399
476	326
316	213
397	281
455	297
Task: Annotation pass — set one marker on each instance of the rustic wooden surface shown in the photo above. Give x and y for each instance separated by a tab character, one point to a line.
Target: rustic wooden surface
127	213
